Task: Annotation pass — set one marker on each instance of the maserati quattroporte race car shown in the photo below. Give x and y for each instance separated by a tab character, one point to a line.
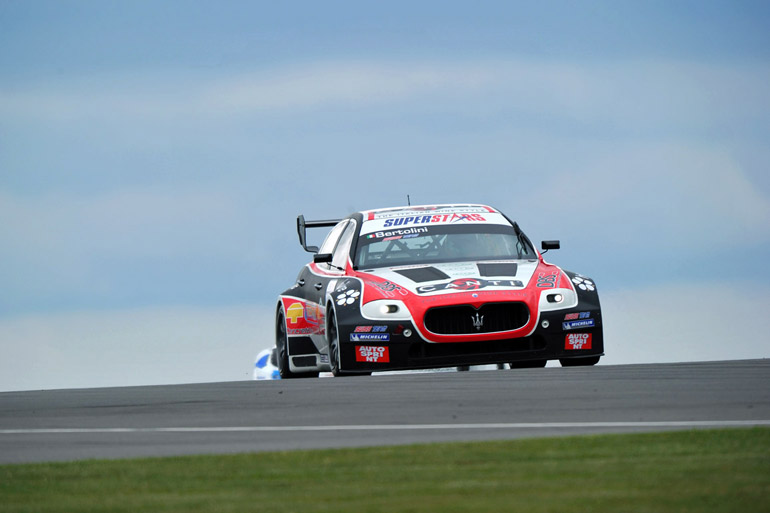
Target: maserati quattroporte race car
422	287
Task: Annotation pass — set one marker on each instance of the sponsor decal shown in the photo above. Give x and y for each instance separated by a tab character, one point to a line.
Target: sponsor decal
397	234
295	312
313	313
468	284
376	354
366	337
486	294
303	318
577	341
547	281
348	297
574	325
584	283
370	329
412	211
439	218
577	315
387	288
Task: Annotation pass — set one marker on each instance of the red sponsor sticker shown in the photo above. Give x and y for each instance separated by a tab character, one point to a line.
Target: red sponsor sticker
363	329
375	354
302	318
577	341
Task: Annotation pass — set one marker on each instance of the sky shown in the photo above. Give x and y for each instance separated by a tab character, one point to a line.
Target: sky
154	157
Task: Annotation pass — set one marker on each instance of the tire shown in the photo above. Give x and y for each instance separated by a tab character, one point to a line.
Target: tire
282	348
579	362
530	364
333	339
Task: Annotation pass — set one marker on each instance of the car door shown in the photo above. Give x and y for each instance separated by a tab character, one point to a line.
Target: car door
318	277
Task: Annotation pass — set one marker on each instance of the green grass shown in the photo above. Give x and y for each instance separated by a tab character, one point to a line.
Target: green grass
714	470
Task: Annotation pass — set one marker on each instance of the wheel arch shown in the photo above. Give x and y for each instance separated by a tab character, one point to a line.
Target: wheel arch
330	308
280	310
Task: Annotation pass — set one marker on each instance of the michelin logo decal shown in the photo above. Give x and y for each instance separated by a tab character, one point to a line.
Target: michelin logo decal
367	337
573	325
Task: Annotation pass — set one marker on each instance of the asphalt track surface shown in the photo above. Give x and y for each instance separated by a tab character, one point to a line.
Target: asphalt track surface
130	422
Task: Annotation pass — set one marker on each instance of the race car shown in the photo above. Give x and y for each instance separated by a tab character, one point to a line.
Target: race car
432	286
266	365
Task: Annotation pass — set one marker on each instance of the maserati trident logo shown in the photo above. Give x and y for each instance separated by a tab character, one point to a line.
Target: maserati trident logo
478	322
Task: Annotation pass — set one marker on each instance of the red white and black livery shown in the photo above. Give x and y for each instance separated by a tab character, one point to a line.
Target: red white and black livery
432	286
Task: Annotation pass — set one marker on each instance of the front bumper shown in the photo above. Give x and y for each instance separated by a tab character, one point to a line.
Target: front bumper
574	333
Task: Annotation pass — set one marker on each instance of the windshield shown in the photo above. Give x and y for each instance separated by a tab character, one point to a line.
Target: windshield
445	243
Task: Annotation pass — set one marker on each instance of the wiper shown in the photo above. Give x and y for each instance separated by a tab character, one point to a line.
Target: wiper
523	240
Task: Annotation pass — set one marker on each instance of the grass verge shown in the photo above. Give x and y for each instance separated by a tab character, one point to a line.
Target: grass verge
700	470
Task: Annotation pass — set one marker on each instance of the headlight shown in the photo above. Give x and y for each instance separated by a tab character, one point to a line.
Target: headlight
557	299
386	310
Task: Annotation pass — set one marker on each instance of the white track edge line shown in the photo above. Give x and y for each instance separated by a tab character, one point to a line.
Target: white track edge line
394	427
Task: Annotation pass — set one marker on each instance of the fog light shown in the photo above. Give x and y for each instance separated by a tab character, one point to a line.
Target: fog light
407	332
545	323
555	298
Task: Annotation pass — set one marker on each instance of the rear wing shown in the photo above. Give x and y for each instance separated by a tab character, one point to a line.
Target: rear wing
303	225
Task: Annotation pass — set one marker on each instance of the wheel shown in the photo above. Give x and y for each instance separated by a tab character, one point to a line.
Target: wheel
332	337
282	348
579	362
529	364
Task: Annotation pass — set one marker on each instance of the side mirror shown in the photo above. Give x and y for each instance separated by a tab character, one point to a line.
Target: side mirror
550	244
322	258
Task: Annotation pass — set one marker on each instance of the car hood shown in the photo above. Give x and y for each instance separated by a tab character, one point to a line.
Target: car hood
444	278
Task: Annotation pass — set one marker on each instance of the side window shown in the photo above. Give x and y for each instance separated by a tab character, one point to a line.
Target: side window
342	251
334	236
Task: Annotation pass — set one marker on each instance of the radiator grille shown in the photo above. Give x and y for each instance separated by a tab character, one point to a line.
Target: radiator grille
465	319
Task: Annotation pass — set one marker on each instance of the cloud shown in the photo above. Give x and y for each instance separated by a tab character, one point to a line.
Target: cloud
685	322
132	347
71	231
148	346
162	180
678	197
651	92
113	221
186	245
281	89
339	83
647	209
631	95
